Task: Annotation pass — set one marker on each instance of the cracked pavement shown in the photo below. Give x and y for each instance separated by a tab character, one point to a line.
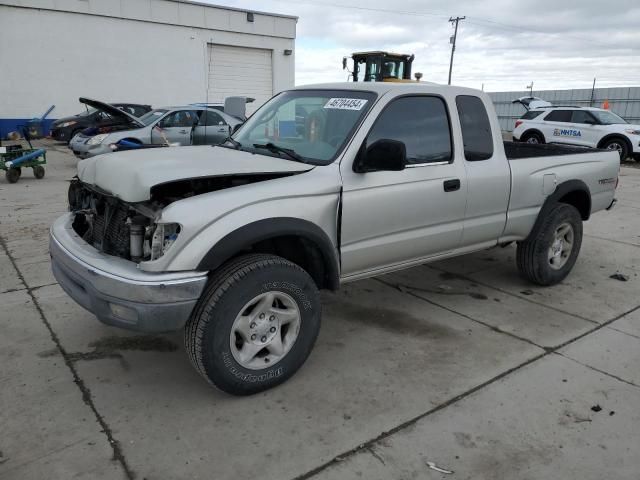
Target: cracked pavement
459	366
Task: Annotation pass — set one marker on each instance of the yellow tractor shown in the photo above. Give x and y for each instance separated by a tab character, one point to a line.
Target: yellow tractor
381	67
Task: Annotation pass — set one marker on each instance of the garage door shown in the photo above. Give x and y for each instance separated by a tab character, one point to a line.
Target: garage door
240	71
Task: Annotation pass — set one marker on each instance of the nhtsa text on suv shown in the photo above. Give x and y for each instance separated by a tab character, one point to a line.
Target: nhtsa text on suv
583	126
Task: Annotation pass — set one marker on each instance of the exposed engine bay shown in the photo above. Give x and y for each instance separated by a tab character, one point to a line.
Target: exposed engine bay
130	230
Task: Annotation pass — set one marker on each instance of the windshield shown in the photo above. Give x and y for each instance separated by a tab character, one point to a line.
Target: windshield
150	117
87	112
314	124
607	118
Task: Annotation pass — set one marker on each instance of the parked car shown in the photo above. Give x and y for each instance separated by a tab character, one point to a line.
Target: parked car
232	243
64	129
188	125
582	126
234	106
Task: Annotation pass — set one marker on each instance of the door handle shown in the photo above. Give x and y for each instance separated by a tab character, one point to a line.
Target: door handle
451	185
223	130
182	131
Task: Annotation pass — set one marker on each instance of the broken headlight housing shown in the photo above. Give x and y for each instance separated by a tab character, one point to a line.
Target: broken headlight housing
97	139
159	238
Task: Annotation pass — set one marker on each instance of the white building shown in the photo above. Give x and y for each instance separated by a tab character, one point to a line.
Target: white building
156	52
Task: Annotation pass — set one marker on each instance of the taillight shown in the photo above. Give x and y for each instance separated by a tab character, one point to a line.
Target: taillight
518	123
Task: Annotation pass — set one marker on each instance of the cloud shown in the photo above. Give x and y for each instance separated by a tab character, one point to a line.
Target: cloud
501	44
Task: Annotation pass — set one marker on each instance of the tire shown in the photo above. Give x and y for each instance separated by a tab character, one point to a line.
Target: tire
636	157
12	175
532	137
534	256
617	144
38	172
221	342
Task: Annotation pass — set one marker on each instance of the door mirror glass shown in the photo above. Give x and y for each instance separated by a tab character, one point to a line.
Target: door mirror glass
236	127
382	155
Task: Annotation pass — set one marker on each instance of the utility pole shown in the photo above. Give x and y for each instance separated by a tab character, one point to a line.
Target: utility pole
452	41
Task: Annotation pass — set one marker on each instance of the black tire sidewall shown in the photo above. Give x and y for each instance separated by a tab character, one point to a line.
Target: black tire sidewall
528	135
38	172
219	363
12	175
624	154
559	214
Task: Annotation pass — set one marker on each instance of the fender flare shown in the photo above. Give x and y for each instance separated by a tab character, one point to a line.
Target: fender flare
561	191
252	233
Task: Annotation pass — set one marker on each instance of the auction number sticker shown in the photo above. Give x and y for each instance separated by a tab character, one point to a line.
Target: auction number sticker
346	103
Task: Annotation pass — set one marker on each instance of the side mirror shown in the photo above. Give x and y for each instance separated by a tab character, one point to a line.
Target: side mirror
235	128
382	155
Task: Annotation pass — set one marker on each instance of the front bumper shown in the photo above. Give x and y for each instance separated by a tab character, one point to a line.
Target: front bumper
81	149
115	290
61	134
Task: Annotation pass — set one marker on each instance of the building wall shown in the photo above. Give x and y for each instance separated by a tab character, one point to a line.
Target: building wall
623	101
140	51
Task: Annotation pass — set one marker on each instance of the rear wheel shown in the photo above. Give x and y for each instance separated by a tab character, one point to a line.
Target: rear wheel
550	253
254	325
619	145
532	137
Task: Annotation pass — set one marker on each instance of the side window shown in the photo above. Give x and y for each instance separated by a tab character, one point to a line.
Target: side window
580	116
558	116
531	114
476	128
181	118
209	118
421	123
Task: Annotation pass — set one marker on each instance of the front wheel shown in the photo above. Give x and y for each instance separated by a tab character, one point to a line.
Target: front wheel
254	325
619	145
548	256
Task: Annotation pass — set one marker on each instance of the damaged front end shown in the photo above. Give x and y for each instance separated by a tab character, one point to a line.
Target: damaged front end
112	226
131	230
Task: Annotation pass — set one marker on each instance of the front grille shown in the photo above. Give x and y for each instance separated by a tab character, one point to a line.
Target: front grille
110	232
101	220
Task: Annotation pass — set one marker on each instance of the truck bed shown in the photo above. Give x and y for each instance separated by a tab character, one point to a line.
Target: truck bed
518	150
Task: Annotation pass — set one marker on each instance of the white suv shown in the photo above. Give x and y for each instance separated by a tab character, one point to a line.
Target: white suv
583	126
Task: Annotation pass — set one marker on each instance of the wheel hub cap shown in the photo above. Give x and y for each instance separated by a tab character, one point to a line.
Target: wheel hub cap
561	247
265	330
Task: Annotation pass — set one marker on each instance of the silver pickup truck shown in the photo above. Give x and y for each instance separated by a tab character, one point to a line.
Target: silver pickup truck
323	185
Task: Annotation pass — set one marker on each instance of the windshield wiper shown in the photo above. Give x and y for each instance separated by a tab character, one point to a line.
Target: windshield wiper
272	147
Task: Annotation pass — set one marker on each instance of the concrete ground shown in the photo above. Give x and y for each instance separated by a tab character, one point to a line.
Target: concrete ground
455	370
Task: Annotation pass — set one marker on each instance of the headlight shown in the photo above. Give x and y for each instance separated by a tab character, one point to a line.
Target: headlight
631	131
164	235
97	139
67	124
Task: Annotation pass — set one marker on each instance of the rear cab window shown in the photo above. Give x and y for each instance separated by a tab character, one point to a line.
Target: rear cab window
477	136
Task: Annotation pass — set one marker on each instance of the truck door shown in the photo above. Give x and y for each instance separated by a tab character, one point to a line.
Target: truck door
488	174
390	218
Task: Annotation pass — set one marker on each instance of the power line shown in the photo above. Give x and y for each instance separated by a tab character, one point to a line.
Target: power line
453	42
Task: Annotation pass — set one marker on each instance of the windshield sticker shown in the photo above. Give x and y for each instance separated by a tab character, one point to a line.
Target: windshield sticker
346	103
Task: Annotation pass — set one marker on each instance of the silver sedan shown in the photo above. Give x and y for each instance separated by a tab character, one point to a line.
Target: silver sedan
188	125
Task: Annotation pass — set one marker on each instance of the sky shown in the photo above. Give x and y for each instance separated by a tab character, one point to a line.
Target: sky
503	45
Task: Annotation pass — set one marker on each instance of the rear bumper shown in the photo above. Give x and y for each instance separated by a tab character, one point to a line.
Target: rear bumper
115	290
